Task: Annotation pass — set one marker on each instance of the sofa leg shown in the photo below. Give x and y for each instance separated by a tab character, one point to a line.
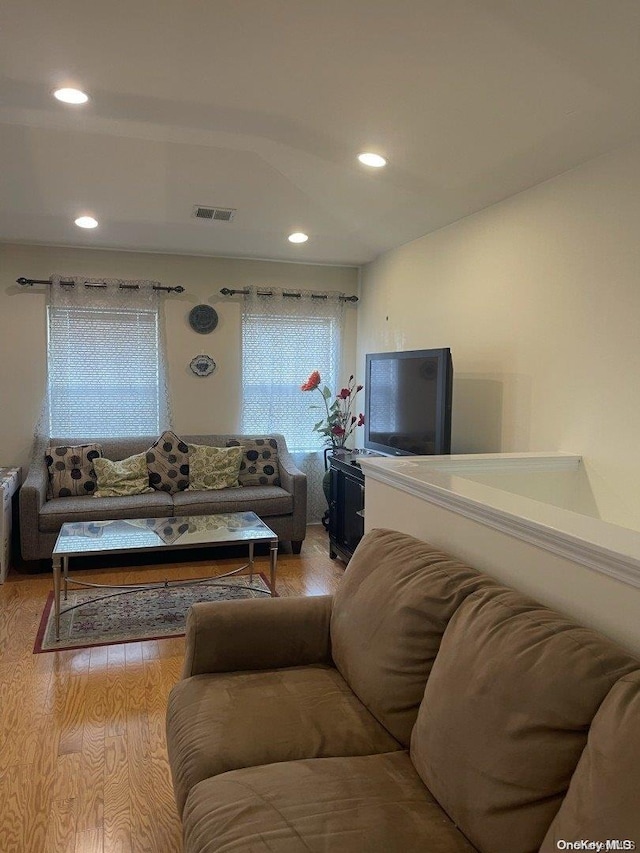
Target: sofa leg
296	546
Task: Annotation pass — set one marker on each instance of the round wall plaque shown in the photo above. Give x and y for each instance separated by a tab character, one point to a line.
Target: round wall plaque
203	319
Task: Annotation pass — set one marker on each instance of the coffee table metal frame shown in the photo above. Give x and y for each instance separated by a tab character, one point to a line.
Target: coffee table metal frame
61	557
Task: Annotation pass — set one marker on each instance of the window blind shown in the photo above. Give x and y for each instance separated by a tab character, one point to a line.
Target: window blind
103	372
278	354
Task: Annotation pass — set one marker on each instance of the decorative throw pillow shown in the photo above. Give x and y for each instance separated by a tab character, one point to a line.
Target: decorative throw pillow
71	471
123	477
168	463
213	467
260	461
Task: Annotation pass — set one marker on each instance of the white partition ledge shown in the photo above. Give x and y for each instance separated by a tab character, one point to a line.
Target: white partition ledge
542	500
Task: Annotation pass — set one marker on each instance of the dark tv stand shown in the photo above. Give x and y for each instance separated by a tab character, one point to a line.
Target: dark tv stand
346	503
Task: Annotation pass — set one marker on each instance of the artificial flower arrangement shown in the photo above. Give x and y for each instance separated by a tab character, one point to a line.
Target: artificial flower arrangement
339	422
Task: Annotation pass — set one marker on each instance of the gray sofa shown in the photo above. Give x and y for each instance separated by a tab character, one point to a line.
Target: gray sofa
424	708
283	508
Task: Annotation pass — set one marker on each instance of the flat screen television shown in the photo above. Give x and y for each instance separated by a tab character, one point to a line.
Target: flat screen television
408	399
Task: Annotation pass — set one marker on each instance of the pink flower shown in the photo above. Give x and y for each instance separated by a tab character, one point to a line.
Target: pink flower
312	382
337	430
360	420
344	394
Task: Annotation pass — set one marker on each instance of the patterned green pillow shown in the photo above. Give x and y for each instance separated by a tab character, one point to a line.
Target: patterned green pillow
124	477
213	467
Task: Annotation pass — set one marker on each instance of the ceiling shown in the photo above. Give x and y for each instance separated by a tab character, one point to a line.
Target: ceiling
263	106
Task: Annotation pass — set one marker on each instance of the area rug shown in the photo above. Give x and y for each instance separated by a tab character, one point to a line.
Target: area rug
150	614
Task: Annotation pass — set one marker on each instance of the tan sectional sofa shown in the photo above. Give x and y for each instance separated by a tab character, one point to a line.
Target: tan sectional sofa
283	508
424	707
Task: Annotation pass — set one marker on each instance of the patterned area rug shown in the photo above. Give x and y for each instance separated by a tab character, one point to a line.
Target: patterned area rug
149	614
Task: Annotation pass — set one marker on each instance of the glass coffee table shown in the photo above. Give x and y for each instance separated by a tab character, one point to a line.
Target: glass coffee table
128	536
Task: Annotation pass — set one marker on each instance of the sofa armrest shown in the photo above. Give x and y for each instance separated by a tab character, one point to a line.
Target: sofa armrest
294	481
259	633
32	498
290	475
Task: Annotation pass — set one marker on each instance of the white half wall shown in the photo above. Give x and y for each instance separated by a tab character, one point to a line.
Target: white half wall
539	299
200	405
596	600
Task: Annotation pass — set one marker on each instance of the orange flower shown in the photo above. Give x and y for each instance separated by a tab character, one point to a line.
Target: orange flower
312	382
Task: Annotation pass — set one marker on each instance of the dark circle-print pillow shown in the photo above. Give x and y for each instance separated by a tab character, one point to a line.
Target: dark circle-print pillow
259	466
168	464
71	471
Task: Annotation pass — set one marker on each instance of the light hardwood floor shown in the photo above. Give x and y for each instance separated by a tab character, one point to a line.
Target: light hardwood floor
83	763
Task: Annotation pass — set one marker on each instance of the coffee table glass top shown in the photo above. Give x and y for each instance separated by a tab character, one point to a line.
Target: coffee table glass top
139	534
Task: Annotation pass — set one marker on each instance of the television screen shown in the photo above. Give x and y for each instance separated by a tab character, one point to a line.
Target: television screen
408	402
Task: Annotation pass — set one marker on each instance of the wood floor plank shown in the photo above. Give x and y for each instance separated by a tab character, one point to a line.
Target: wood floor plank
90	810
61	828
89	841
67	777
116	656
26	812
72	715
116	699
20	738
150	649
117	797
133	654
83	763
98	658
90	801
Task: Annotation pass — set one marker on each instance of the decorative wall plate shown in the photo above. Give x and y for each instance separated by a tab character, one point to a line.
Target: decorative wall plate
203	319
202	365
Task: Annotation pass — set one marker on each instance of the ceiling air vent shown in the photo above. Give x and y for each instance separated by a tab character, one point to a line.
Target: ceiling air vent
217	214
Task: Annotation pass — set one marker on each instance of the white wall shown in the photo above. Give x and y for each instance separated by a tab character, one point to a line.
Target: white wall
200	405
539	299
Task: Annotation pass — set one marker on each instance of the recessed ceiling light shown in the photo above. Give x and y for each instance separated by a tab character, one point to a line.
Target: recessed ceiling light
298	237
369	159
86	222
71	96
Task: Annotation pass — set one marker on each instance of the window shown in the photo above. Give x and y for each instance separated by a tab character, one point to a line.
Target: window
283	340
103	371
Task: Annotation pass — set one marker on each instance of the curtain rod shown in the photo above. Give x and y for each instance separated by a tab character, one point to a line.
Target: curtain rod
30	281
225	291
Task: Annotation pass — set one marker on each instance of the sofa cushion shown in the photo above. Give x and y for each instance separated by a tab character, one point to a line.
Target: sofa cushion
260	461
373	803
56	512
390	611
505	716
213	467
603	800
263	500
71	470
168	463
123	477
224	721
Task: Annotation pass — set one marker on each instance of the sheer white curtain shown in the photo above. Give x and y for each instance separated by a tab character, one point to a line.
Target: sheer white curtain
284	338
106	359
